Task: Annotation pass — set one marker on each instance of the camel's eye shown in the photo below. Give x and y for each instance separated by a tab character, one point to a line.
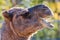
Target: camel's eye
26	15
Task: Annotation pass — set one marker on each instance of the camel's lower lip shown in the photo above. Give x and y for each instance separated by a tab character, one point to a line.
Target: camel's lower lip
47	23
51	25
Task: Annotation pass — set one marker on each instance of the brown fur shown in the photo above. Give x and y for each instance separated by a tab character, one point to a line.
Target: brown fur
20	24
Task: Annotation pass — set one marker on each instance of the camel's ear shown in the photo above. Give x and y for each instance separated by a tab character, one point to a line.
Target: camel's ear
7	15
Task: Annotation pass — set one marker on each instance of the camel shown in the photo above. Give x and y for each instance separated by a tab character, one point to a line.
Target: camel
22	24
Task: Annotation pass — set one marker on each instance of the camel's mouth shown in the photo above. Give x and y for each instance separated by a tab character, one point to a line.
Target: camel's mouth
48	23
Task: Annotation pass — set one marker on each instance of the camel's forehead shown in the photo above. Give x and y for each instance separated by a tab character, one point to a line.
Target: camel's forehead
42	6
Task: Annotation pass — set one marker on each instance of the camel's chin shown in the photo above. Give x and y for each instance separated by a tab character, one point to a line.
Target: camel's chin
29	38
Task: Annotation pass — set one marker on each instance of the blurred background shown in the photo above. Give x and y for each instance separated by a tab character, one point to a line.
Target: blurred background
45	34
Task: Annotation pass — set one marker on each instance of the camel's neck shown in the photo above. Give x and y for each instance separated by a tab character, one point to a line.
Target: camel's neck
7	34
21	38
